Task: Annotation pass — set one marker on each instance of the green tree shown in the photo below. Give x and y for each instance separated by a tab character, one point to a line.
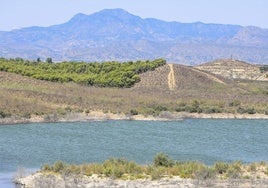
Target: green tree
49	60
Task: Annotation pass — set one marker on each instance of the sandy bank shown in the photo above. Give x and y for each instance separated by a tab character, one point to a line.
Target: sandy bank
39	180
100	116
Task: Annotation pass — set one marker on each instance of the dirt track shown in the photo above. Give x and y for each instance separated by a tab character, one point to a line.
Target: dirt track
171	78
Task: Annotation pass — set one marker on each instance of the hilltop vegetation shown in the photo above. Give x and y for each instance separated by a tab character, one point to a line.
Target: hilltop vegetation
107	74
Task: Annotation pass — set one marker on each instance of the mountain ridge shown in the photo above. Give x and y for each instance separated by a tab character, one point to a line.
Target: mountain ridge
115	34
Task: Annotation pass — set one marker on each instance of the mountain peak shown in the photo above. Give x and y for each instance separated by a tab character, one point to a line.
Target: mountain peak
78	17
116	14
116	11
105	16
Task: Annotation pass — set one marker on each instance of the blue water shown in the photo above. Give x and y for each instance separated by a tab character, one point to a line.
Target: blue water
31	145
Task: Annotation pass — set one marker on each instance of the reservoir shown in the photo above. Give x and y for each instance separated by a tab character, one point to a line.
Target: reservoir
25	147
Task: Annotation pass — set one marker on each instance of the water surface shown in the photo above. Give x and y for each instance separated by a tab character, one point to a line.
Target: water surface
31	145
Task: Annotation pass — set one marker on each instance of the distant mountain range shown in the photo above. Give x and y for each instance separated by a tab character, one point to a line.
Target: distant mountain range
114	34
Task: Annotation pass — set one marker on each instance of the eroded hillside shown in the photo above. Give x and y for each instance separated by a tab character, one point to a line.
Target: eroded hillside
234	69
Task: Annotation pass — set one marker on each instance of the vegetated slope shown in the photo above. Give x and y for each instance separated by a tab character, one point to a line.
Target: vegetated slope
195	92
235	69
208	93
106	74
118	35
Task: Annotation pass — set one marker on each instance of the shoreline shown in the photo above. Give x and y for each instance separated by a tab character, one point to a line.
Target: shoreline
101	116
38	180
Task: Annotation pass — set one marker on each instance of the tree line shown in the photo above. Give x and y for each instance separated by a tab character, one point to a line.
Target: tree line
100	74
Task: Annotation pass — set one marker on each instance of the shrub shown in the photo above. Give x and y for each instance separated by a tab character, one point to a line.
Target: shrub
188	169
263	163
58	166
73	169
234	103
241	110
134	112
156	173
252	167
117	167
212	109
234	170
162	159
26	115
221	167
46	167
205	173
246	110
251	111
4	114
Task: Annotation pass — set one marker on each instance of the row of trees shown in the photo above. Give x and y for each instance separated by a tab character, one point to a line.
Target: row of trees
107	74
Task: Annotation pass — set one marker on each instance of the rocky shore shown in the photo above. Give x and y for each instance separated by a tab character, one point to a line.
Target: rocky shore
101	116
39	180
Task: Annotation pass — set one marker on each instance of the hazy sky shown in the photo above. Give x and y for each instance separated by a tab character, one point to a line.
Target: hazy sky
23	13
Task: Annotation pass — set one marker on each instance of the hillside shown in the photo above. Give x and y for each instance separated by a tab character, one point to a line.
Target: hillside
234	69
194	91
114	34
105	74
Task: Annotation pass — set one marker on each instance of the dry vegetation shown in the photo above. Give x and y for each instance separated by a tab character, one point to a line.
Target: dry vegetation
196	91
162	166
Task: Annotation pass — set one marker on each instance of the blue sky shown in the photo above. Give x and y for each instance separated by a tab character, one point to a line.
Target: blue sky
23	13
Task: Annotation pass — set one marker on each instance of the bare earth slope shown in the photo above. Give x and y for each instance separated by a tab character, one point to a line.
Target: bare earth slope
234	69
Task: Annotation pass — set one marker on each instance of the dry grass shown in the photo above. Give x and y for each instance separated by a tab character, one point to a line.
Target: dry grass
25	96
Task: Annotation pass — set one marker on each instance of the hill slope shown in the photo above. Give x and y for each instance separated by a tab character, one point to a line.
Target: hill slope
234	69
195	91
118	35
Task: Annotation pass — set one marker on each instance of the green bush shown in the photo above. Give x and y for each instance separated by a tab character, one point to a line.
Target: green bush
251	110
58	166
212	109
242	110
162	159
221	167
4	114
134	112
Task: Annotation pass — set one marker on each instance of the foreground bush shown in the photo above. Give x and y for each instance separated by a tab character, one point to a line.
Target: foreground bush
162	166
